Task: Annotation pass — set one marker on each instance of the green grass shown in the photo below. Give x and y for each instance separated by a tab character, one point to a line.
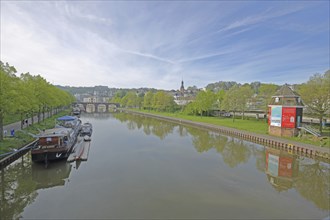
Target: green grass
19	140
22	138
250	124
11	118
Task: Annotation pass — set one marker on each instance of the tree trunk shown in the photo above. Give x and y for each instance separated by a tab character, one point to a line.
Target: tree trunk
43	113
321	120
1	126
39	112
22	121
32	118
234	116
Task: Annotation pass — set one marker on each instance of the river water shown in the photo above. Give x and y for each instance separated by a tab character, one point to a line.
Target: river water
140	167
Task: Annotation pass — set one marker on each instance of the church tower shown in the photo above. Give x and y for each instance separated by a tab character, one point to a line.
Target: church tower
182	88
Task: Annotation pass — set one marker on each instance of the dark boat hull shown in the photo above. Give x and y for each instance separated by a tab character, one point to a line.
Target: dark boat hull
45	156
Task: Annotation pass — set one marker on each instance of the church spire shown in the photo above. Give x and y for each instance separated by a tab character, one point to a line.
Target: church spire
182	88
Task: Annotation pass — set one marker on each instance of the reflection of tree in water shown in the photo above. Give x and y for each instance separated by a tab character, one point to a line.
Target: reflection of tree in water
149	125
17	189
202	140
314	184
20	181
162	129
309	177
220	142
312	181
260	154
235	152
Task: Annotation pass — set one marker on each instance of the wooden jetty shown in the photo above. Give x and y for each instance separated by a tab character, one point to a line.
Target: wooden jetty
80	150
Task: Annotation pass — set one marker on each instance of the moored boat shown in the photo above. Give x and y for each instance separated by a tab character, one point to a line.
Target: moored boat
87	138
76	111
86	129
53	144
67	121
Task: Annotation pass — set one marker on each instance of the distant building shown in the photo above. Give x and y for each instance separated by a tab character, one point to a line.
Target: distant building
182	96
91	99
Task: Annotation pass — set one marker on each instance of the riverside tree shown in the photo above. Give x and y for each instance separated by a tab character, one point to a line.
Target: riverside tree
232	100
315	94
9	92
27	94
147	100
245	93
204	101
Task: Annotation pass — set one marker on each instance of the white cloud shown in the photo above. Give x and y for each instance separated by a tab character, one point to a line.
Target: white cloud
145	45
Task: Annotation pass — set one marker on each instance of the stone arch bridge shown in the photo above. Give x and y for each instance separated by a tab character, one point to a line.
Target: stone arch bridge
97	106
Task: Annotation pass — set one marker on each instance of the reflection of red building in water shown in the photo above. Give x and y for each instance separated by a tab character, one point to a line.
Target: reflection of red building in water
281	168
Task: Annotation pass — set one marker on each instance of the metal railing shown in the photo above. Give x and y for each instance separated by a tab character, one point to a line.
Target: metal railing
310	130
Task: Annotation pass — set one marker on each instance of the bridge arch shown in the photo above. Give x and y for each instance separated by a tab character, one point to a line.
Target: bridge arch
97	106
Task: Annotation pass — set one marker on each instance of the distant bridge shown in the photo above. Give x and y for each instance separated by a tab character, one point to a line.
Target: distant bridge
97	106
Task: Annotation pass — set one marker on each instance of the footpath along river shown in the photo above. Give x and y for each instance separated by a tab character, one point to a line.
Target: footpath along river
141	167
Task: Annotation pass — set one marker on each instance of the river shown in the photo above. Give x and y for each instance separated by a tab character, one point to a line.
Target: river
140	167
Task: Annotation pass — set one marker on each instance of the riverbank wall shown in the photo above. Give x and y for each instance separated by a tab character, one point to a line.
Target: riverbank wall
268	140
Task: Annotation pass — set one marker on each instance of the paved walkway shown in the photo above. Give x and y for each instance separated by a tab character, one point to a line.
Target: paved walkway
17	125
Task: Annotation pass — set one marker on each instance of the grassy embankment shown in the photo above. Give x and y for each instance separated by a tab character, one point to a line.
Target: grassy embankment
22	138
250	124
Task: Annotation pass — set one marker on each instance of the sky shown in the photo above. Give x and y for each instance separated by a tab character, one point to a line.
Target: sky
156	44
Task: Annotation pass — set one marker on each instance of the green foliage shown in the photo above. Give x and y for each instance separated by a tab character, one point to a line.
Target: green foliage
245	93
204	101
316	95
266	91
220	96
131	100
232	100
148	99
221	85
23	137
236	99
163	101
27	94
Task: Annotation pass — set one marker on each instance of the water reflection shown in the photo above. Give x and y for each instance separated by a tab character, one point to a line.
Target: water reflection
213	177
281	169
313	182
284	171
309	177
55	175
17	189
150	126
20	181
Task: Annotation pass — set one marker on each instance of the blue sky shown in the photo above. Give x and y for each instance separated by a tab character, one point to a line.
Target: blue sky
127	44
